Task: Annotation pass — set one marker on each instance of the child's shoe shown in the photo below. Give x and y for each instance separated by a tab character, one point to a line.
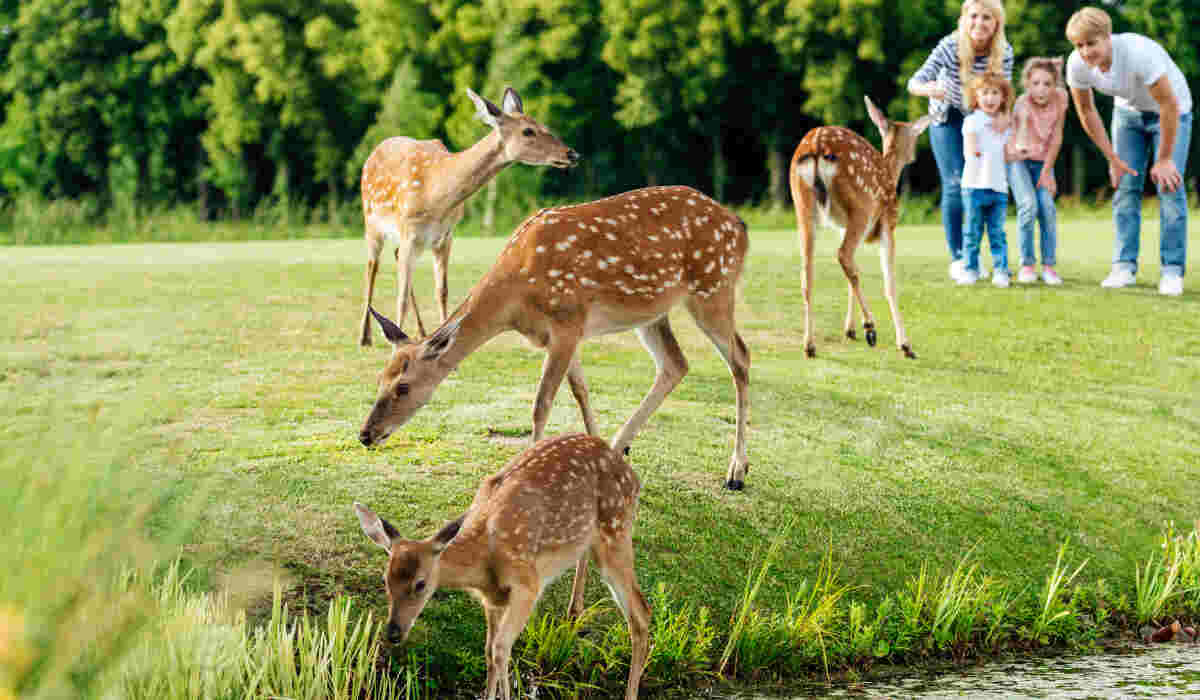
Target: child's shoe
1050	277
1027	275
968	277
1000	278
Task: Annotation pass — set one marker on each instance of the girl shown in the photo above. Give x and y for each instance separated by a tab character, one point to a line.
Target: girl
1038	117
984	180
978	45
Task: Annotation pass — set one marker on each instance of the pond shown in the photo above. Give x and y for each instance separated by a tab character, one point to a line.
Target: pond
1168	670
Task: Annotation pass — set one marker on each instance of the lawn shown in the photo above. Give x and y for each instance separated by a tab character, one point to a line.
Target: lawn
1032	416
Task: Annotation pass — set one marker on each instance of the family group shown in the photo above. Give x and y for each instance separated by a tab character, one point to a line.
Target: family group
986	143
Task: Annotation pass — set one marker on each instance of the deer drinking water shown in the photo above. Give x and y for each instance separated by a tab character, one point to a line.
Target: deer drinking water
413	192
575	272
550	507
838	173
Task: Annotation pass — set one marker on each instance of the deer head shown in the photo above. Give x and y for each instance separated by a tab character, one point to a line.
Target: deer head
899	138
524	138
411	576
408	381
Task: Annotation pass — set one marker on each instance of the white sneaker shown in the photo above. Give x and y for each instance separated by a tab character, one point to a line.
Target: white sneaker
1171	285
1000	278
956	269
1119	277
1050	277
968	277
1027	275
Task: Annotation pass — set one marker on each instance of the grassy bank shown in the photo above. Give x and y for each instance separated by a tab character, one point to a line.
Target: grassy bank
1034	417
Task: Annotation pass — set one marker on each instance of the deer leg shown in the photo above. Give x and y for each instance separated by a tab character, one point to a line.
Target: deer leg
715	318
492	615
615	561
559	357
846	258
512	620
579	390
806	225
575	607
887	261
441	267
374	248
671	366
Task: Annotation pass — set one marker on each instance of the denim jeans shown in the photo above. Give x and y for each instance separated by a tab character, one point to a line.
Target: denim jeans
1035	206
947	142
1135	137
985	209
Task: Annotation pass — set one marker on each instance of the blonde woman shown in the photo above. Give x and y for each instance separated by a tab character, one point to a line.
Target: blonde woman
1151	123
977	46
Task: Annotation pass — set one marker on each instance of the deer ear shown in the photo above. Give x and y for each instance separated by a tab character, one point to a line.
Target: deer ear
391	331
447	534
512	102
485	111
376	528
441	340
881	121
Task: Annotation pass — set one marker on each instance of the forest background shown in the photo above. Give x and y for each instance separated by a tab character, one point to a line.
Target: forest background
225	108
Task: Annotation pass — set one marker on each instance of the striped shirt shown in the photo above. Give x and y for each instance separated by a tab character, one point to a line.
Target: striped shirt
942	65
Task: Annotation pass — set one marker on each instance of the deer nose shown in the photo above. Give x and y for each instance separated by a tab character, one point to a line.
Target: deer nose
573	156
364	436
395	633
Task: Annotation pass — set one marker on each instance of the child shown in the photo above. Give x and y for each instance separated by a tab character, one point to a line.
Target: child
1038	117
984	181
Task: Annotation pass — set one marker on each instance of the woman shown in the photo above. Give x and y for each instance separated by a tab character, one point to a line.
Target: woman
1151	125
977	46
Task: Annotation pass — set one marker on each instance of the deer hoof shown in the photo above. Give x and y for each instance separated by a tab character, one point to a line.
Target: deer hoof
852	334
908	351
872	337
735	485
625	451
811	350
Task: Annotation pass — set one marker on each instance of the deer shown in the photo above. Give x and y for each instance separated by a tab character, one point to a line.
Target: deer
841	175
413	193
575	272
548	508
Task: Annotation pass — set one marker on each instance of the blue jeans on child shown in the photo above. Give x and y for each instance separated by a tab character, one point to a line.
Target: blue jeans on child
985	209
947	142
1135	137
1035	206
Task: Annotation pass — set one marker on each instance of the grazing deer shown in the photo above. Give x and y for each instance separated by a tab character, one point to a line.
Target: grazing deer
413	192
838	173
546	510
572	273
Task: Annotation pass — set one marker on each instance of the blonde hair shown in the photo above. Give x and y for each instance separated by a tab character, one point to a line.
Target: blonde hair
992	80
1053	66
966	53
1088	23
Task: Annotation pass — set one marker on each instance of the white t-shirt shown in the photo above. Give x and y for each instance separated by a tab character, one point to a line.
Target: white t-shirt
986	171
1137	63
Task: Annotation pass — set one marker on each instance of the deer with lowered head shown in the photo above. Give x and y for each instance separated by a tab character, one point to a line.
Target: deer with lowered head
840	176
413	192
576	272
551	506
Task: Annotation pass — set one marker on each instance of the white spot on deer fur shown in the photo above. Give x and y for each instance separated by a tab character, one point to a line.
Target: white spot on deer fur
610	237
601	264
554	273
587	254
629	269
541	249
563	245
614	259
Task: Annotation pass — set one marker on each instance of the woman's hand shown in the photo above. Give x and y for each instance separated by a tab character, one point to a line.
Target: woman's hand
935	91
1000	123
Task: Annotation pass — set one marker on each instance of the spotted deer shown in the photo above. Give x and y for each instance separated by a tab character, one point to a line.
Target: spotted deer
838	173
413	192
544	512
576	272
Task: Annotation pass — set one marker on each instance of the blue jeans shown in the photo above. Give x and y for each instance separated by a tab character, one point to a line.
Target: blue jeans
1135	137
947	142
985	208
1035	206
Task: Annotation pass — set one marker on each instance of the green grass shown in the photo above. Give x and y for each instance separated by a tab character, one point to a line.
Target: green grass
1032	416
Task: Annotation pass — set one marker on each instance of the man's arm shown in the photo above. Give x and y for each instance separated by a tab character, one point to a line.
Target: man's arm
1163	172
1085	107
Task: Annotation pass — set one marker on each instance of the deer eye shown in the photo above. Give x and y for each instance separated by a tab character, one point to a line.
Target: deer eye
401	389
528	131
418	586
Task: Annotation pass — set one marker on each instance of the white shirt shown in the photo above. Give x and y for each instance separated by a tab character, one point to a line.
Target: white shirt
1137	63
986	171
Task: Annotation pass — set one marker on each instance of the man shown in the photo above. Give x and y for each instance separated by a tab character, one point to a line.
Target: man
1152	117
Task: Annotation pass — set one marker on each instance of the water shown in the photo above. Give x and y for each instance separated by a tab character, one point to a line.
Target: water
1160	671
